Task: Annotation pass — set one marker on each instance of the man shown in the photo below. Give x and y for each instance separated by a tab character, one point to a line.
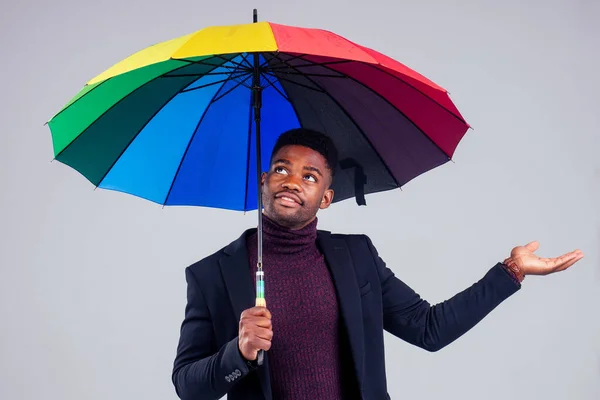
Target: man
331	298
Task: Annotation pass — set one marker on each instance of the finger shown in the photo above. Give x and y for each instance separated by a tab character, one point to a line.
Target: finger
557	262
262	322
254	355
565	266
570	263
263	333
575	253
262	311
257	311
532	246
260	344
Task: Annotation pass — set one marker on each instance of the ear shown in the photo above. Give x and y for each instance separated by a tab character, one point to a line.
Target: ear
327	199
263	177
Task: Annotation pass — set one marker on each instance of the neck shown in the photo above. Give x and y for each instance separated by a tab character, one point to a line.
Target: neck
281	239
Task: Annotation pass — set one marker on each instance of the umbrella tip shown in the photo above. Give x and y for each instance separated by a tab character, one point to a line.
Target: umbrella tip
255	15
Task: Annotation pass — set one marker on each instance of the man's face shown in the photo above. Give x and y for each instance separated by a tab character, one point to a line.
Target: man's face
296	186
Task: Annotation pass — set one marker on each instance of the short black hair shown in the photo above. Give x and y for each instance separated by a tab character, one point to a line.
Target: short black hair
312	139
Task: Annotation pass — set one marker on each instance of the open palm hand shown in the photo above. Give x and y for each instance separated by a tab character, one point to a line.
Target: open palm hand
532	264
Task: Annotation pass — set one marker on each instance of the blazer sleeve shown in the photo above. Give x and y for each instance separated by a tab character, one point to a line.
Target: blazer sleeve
409	317
201	371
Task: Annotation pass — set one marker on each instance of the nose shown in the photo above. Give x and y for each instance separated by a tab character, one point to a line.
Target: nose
291	183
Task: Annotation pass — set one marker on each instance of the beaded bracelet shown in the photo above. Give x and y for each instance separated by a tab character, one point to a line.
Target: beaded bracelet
513	269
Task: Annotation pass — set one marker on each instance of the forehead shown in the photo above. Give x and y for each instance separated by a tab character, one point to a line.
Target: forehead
301	155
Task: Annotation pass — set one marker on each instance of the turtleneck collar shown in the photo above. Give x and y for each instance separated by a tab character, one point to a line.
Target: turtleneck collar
279	239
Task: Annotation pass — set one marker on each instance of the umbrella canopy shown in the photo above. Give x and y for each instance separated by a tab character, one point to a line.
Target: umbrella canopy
190	121
167	123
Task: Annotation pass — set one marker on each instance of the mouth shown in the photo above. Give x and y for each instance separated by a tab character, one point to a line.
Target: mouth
288	199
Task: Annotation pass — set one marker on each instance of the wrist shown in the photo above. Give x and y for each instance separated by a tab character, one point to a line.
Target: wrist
513	269
251	364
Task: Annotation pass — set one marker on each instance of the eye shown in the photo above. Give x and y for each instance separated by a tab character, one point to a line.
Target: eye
310	178
280	170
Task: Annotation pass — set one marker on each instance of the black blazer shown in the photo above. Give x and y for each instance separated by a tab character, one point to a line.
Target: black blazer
208	364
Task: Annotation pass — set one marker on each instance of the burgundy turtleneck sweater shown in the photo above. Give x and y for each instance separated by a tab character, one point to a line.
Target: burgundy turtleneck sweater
308	358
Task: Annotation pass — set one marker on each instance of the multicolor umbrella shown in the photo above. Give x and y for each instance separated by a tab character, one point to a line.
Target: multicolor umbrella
162	123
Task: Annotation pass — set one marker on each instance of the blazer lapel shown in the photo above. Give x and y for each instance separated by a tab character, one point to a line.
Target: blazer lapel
237	275
340	265
236	272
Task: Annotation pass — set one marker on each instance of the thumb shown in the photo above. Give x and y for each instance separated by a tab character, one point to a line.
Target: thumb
532	246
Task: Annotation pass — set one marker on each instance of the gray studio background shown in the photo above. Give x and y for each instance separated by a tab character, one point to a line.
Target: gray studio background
92	288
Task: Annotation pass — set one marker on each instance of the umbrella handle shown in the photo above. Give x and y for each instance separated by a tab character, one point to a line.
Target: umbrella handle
261	357
260	302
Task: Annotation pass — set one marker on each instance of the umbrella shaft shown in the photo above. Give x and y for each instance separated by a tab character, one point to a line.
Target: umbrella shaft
257	103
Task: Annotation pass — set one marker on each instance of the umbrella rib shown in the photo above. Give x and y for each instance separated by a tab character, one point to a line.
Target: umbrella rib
238	72
235	68
189	144
116	104
247	63
235	63
245	72
163	76
413	87
284	96
300	84
272	84
272	53
239	83
134	137
263	65
216	56
211	84
397	109
137	133
282	65
198	74
310	74
204	60
378	63
357	127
